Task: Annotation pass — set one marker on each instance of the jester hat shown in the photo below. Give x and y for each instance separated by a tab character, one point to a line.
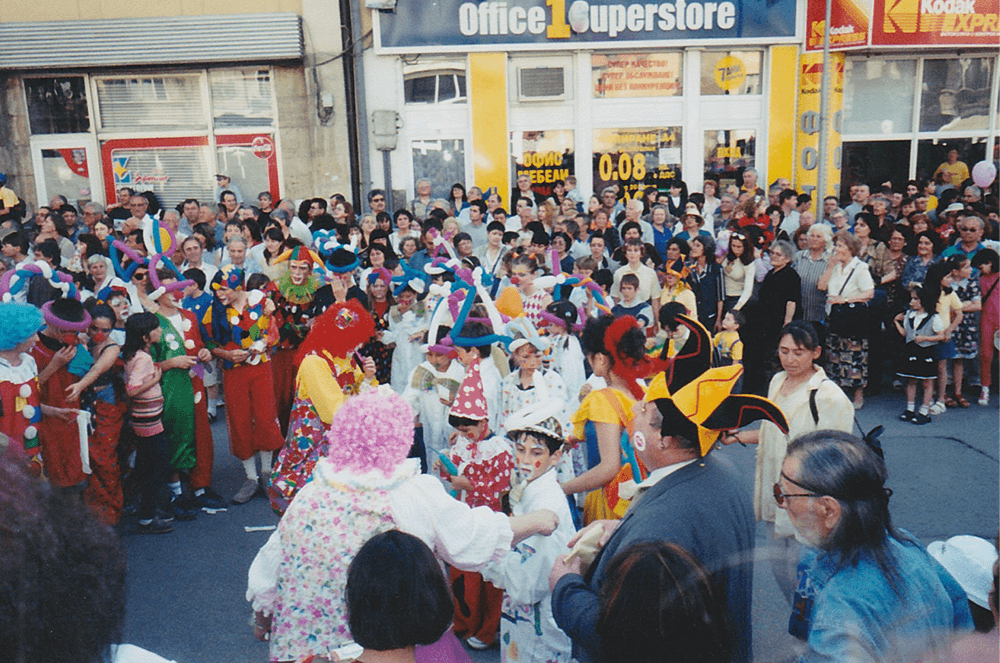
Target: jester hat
229	276
697	402
299	254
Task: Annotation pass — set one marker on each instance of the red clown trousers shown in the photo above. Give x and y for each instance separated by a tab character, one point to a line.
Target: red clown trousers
477	606
204	446
250	410
104	486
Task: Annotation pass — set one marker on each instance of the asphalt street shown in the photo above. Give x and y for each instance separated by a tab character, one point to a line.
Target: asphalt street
186	589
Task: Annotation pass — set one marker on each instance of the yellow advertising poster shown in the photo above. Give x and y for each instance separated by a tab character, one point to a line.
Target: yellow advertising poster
627	75
807	157
633	159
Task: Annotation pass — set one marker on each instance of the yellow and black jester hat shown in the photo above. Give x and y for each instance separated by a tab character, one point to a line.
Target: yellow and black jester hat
696	401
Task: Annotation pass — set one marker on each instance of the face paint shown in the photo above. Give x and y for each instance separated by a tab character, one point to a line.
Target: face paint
639	441
69	339
532	456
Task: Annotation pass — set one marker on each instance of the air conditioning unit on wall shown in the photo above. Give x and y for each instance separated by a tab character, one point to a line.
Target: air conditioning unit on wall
541	84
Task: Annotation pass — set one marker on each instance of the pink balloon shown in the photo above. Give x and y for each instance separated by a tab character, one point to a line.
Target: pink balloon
983	174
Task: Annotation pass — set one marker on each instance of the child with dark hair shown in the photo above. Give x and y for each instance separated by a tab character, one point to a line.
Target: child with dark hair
430	390
397	596
480	355
923	329
406	329
142	385
727	348
987	261
949	308
528	632
630	304
967	334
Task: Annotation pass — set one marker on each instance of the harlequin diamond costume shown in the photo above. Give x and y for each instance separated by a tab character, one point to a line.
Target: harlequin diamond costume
327	376
294	292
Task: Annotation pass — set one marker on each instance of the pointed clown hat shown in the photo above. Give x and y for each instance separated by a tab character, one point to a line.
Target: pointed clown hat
697	402
299	253
470	401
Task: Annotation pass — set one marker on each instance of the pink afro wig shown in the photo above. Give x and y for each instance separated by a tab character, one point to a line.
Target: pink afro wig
373	430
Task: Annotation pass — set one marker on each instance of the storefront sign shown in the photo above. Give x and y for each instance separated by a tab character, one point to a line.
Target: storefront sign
808	126
633	159
76	160
850	20
417	25
544	156
629	75
263	147
730	73
936	22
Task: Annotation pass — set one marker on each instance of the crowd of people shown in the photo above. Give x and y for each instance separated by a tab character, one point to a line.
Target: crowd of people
530	398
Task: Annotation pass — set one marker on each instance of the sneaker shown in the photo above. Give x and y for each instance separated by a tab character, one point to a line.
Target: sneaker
154	526
246	492
477	644
939	408
984	397
907	416
921	419
183	507
210	500
166	515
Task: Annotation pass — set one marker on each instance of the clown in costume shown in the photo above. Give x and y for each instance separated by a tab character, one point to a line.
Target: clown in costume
528	633
407	326
365	485
432	388
57	352
21	410
181	355
242	330
295	291
479	468
328	374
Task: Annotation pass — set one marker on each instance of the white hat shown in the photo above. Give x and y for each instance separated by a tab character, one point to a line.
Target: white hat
969	559
954	207
541	417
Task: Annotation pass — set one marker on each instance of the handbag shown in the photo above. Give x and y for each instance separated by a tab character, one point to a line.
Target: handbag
848	320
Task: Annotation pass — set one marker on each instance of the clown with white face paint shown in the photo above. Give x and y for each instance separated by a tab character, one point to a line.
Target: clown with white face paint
528	632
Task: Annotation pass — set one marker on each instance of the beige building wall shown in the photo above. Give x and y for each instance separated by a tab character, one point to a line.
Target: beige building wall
35	11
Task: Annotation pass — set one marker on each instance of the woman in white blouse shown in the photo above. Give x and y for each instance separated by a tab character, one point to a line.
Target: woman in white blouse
847	280
737	274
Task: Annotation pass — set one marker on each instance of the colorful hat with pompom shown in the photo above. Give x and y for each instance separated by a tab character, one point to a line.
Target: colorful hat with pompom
470	402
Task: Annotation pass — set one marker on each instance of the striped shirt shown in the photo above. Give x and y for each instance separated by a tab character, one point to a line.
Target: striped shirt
145	408
809	271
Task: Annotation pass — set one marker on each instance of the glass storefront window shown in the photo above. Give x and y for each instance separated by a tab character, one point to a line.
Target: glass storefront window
730	72
728	152
634	159
544	156
878	96
446	87
956	94
874	162
933	154
241	98
67	172
57	105
134	103
632	75
174	170
440	161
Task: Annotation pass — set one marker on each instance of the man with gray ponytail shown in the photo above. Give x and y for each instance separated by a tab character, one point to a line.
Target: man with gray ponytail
866	591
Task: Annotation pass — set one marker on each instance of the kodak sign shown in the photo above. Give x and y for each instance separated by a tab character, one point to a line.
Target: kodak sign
936	22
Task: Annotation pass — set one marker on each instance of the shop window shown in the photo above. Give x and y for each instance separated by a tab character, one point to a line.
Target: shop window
634	159
66	171
932	154
440	161
878	96
155	102
874	162
174	170
956	94
57	105
630	75
443	87
544	156
728	152
730	72
241	98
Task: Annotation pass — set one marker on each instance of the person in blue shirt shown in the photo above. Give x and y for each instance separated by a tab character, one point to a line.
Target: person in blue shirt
867	591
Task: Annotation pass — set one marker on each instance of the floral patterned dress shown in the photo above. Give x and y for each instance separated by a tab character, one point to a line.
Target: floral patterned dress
376	349
967	335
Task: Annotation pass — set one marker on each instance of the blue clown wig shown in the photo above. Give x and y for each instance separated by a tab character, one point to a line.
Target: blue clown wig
18	322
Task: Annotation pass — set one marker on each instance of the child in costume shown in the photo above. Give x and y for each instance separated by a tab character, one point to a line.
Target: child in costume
181	355
407	326
528	632
197	301
524	271
328	374
431	390
479	468
565	355
242	330
530	382
380	301
480	355
21	410
102	391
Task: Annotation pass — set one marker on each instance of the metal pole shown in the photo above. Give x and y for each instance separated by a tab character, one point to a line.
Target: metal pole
387	174
824	107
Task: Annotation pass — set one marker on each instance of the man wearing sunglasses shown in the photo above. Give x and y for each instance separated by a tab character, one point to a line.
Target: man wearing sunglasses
867	591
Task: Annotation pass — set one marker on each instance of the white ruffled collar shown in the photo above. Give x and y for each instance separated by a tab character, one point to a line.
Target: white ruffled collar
370	480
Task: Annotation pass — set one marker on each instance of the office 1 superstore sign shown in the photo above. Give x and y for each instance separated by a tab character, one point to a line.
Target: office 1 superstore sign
529	24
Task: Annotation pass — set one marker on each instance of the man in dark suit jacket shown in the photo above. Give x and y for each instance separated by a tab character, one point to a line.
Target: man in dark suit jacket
696	502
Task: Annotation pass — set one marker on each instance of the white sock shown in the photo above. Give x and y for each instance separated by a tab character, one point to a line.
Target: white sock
175	487
265	462
199	492
250	468
910	405
924	409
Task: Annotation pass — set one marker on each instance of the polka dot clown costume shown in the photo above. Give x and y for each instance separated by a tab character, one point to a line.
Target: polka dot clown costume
20	407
